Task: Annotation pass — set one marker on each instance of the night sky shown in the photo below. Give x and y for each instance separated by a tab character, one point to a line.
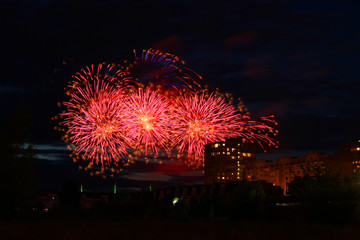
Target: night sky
297	60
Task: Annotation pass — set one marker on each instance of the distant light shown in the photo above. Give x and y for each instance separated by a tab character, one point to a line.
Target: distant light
175	200
115	188
150	188
81	188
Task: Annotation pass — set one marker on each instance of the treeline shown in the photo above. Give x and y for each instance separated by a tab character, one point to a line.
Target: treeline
320	199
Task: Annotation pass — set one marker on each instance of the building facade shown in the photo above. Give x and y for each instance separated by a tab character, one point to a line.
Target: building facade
285	169
226	161
234	160
352	150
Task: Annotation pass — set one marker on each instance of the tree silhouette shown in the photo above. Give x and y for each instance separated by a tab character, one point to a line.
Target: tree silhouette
326	194
16	163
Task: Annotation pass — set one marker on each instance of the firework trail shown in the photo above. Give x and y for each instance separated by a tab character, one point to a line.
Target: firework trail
147	120
257	131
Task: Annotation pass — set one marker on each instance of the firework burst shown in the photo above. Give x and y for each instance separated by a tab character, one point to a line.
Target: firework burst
199	119
165	71
202	118
149	106
93	117
147	120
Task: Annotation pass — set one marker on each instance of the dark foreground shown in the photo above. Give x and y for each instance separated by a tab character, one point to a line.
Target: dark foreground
175	230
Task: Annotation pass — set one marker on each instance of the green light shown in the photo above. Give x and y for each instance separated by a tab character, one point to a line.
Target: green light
175	200
81	188
150	188
115	188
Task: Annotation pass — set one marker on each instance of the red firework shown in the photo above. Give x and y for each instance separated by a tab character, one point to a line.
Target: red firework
93	116
200	119
147	120
105	117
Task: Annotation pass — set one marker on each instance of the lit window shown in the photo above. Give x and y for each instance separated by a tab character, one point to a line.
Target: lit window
239	157
216	145
232	157
218	153
224	153
238	177
233	149
228	149
212	154
358	149
223	144
223	177
228	153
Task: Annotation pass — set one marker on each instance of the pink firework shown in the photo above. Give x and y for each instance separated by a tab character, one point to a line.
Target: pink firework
147	120
199	119
93	116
